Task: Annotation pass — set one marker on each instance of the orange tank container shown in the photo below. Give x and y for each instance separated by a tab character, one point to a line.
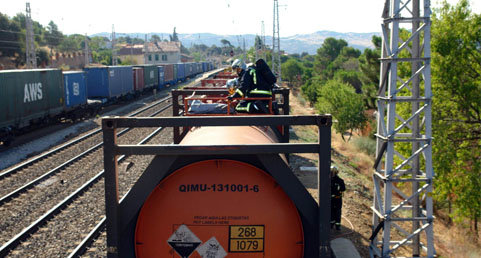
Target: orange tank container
220	207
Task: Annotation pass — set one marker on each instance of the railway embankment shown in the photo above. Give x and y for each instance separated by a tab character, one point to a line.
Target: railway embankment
356	170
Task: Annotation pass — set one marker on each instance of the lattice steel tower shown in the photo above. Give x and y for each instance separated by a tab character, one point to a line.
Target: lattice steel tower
403	180
114	53
263	46
31	58
87	57
276	48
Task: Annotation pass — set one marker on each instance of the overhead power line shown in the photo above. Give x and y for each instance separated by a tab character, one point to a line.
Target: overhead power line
10	42
44	35
10	47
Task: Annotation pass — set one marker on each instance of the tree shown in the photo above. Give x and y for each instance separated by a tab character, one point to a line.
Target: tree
98	43
10	40
225	43
328	52
174	37
72	43
370	67
456	85
155	38
53	36
184	50
42	57
258	43
340	100
291	70
352	78
311	87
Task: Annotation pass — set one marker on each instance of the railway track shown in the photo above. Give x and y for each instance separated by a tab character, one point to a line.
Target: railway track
65	185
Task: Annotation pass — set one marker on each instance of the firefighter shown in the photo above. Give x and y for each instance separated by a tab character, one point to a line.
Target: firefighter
251	86
337	188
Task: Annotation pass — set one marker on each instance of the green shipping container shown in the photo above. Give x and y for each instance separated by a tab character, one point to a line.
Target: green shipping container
151	75
29	95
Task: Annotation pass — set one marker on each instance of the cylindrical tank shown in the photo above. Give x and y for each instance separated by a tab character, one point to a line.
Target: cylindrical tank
219	206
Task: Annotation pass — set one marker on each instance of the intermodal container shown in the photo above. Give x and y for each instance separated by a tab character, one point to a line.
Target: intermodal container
194	69
75	89
151	76
168	73
160	70
27	95
204	67
109	82
180	71
188	69
175	72
138	74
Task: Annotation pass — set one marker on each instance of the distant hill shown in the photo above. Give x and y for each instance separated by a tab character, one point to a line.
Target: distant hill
292	44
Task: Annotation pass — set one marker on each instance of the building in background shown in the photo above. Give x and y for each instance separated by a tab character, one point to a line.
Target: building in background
186	58
134	54
162	53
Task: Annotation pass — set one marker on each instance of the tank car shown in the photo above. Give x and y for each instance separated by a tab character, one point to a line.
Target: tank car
224	188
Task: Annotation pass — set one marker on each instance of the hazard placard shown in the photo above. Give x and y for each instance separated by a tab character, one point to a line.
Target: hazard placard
183	241
212	249
246	238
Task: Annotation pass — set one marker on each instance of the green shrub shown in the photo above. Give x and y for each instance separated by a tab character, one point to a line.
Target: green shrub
366	145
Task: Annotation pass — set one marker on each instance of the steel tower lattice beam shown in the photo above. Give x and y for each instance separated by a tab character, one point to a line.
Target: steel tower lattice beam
87	58
114	52
398	130
276	48
31	55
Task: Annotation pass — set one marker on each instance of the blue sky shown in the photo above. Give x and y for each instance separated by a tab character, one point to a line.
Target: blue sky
212	16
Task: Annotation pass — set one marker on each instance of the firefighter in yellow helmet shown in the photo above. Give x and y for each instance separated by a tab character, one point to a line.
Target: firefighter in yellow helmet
251	85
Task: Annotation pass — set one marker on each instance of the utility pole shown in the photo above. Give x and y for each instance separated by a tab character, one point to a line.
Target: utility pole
145	50
263	37
87	58
245	53
276	48
31	58
405	214
256	47
114	53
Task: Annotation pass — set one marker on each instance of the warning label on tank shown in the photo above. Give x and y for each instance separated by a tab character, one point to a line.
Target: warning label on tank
218	220
183	241
246	238
246	188
211	249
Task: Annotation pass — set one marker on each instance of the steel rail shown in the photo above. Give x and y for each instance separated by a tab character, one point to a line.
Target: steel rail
80	249
17	168
57	169
32	228
84	244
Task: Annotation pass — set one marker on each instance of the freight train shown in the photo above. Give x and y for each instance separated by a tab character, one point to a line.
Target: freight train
224	188
39	96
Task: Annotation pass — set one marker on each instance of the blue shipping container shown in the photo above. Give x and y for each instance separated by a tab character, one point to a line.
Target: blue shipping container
109	82
188	69
75	89
161	77
180	71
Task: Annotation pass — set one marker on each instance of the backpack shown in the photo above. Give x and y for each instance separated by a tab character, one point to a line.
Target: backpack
263	69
